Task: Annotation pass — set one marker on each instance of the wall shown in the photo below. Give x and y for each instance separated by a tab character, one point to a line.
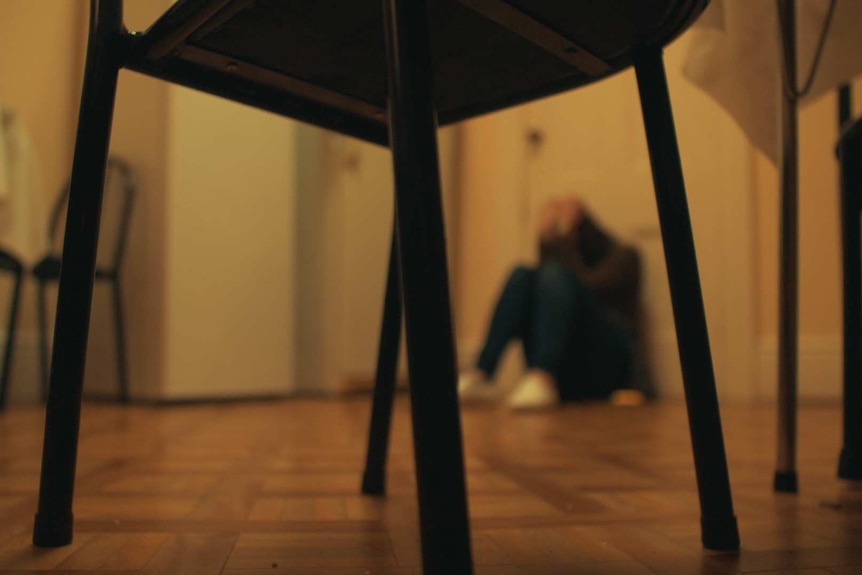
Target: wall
139	136
491	220
40	59
40	77
43	84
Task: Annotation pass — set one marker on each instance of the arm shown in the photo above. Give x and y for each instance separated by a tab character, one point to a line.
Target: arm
604	264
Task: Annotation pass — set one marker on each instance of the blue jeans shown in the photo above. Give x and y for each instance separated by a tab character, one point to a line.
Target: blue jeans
565	331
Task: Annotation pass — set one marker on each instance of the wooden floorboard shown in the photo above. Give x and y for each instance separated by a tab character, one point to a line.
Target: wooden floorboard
273	488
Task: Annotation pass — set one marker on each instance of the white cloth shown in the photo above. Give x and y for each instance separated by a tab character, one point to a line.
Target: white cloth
735	57
23	223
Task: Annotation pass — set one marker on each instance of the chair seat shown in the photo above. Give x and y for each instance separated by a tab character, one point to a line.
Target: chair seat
48	269
323	61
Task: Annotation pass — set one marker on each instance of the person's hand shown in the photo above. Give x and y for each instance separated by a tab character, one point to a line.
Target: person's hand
571	212
558	217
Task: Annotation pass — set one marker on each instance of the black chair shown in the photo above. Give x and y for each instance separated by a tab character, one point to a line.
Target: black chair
116	214
10	264
387	71
850	154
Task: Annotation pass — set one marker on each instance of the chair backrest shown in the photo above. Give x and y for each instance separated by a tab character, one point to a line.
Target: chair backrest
116	215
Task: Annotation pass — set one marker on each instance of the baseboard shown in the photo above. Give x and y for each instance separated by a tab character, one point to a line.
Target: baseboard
820	369
354	384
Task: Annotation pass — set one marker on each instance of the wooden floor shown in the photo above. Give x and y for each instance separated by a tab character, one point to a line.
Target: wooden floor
272	488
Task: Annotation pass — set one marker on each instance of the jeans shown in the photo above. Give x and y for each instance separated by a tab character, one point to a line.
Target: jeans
564	330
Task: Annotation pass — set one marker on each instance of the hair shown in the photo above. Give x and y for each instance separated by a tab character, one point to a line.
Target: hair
593	243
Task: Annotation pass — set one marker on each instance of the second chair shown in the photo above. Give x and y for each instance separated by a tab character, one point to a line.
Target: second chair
116	214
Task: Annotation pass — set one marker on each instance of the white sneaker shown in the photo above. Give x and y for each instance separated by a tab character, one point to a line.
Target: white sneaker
536	391
474	387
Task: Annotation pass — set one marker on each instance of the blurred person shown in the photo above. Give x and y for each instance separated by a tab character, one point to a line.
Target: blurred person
576	315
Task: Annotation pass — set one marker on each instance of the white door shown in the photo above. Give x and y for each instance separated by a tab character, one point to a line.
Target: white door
344	255
591	142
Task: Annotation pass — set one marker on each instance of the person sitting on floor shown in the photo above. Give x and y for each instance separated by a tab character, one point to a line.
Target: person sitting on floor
576	315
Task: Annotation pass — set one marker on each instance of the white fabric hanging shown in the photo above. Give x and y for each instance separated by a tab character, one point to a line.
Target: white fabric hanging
734	57
23	222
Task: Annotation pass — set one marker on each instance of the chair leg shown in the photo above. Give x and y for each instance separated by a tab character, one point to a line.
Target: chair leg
42	318
850	463
444	525
786	479
374	478
53	525
718	523
120	334
9	352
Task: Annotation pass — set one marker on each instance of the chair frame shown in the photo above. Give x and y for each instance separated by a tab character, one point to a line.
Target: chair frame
419	249
10	263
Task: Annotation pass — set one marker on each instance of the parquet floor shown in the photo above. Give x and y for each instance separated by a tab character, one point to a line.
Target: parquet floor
272	488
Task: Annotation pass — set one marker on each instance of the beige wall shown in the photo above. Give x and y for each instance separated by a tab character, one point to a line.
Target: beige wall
139	135
592	143
493	174
40	55
40	77
490	216
42	83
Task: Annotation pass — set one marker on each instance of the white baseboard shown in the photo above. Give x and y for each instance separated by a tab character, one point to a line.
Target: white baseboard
820	370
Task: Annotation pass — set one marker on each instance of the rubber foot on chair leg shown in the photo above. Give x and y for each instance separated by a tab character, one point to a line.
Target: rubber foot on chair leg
850	464
786	482
52	531
374	482
719	534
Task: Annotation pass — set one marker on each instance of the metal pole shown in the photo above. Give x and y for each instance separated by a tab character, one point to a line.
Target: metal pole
785	473
850	156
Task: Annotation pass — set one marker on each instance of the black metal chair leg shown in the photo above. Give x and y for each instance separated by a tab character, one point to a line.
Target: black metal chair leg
120	334
443	514
105	49
719	529
9	351
374	478
850	153
786	479
42	318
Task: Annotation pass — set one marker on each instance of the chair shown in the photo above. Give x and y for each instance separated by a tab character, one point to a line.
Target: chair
11	264
388	71
116	213
849	152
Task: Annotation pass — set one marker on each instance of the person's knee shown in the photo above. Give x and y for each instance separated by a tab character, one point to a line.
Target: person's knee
554	276
522	275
